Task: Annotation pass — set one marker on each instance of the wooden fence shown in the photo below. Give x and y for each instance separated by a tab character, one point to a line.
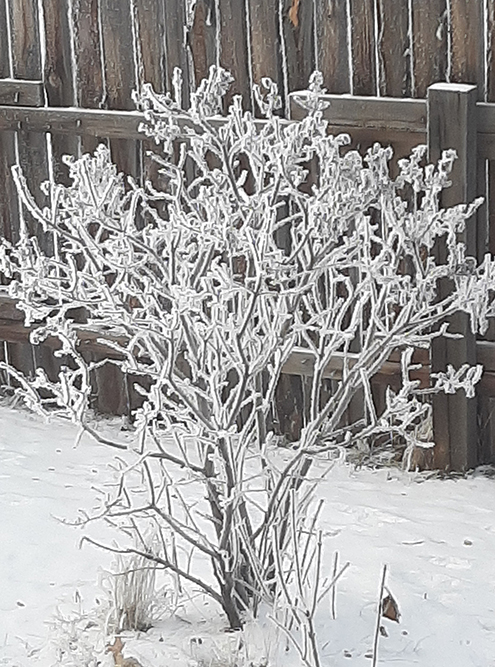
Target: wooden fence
68	68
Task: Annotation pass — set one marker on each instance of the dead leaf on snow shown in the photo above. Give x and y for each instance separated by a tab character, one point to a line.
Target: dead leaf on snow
390	608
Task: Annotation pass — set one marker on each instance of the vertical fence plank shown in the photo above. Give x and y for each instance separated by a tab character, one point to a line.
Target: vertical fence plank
265	42
332	46
175	40
25	30
394	76
363	47
90	87
490	97
150	30
299	38
468	27
429	43
299	49
4	43
486	404
202	39
452	124
9	210
90	91
24	26
490	53
233	48
58	77
8	198
118	49
31	146
151	43
120	76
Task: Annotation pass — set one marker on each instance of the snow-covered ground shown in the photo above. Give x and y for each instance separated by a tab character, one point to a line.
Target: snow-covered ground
436	536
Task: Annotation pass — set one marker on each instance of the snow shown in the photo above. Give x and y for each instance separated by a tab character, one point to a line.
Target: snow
436	536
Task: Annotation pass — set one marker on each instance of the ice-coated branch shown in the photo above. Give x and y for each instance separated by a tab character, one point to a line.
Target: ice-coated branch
255	237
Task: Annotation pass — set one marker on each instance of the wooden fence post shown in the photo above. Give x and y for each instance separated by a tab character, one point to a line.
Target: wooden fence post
452	124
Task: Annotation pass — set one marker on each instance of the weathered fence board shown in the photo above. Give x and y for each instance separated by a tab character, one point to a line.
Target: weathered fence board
332	33
429	30
89	75
202	39
394	56
120	75
4	43
452	124
468	27
363	47
58	77
150	44
266	57
233	48
175	21
299	42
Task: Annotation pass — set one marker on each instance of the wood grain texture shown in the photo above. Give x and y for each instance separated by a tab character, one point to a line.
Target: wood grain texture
58	56
151	43
266	57
176	43
21	92
118	52
394	76
468	40
201	39
490	97
58	78
90	88
88	52
9	208
299	42
4	43
430	43
120	76
32	146
332	47
24	24
363	47
452	124
233	49
490	50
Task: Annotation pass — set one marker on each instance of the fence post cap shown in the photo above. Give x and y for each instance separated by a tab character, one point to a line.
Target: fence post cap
453	87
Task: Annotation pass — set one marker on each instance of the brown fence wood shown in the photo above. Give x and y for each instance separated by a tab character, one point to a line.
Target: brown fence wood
332	33
150	44
59	84
4	43
25	35
31	147
233	48
299	42
89	75
452	124
266	57
202	39
120	75
363	47
175	41
429	28
394	56
468	29
22	93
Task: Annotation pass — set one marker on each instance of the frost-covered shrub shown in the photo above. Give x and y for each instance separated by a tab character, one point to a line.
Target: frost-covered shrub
262	237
